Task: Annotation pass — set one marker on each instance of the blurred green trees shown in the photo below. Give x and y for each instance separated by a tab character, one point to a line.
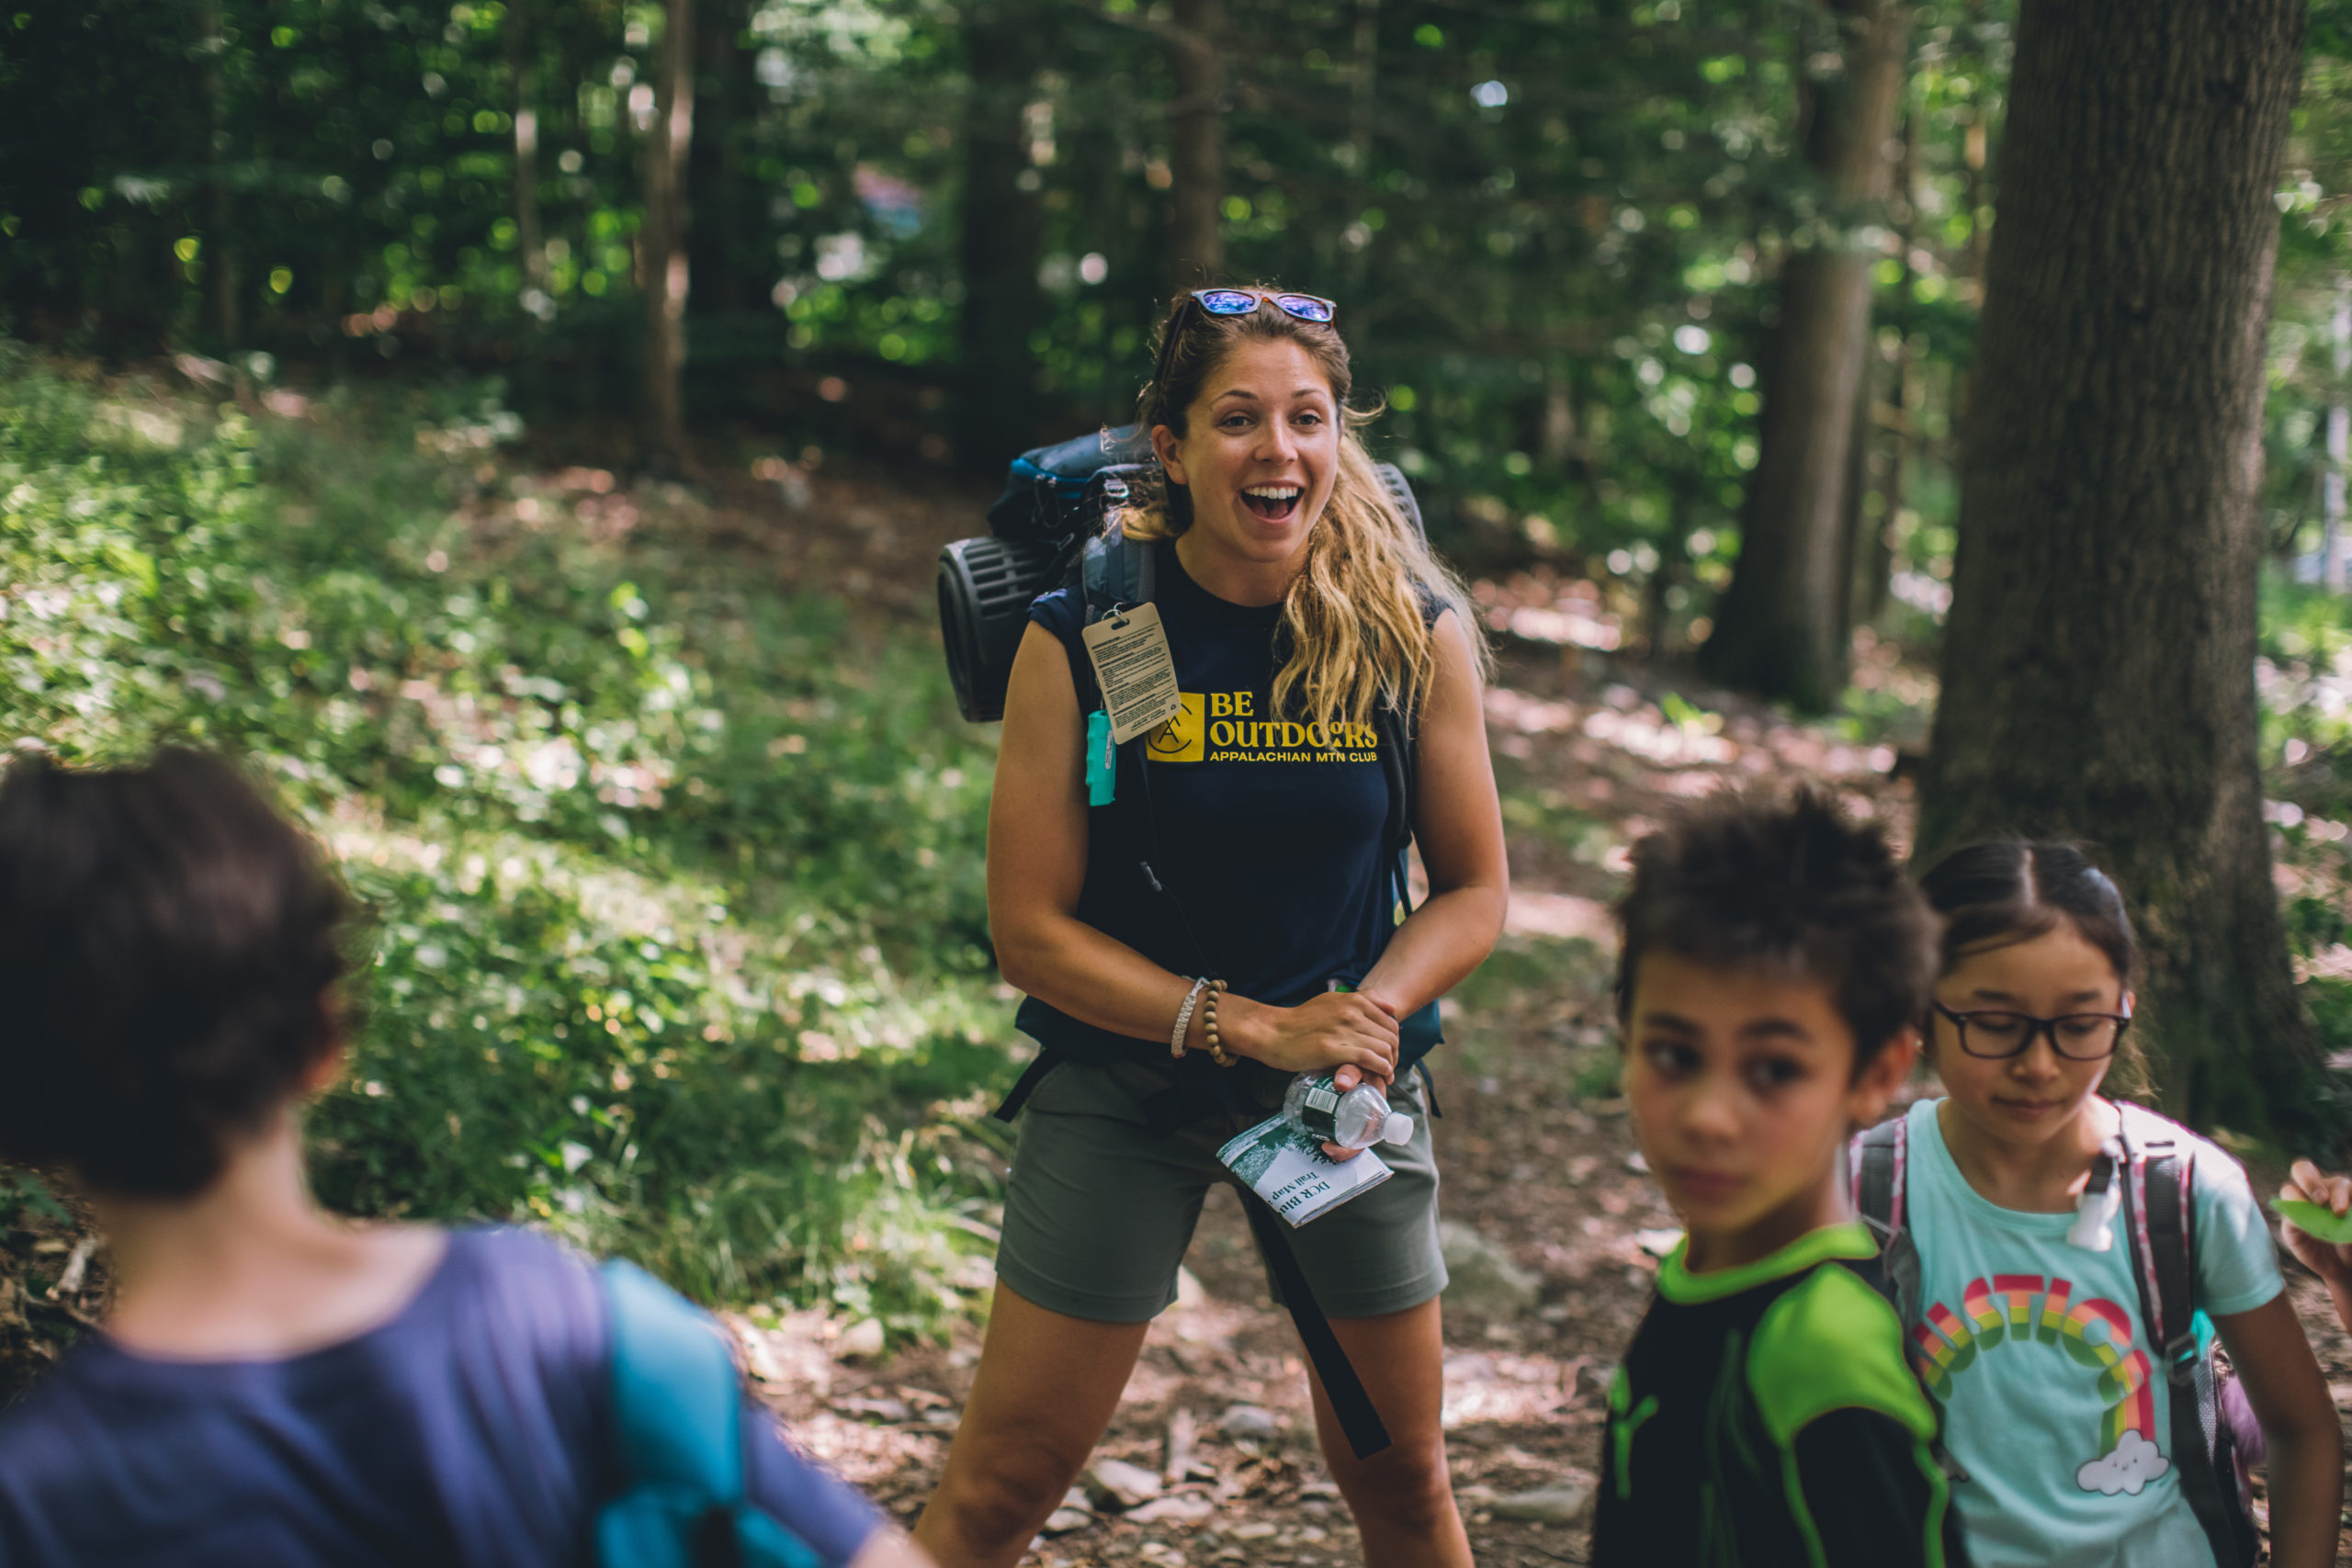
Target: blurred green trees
1558	229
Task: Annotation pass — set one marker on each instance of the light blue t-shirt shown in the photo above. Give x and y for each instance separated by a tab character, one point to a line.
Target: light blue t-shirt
2053	1407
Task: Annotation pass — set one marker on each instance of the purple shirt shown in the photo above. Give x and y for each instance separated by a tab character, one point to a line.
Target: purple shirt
472	1429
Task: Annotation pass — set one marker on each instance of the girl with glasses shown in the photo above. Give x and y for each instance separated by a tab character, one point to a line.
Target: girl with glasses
1179	1000
2027	1328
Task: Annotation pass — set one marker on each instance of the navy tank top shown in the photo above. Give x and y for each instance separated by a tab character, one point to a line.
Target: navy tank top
1265	831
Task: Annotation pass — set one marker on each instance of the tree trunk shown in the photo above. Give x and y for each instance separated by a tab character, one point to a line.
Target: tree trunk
218	251
714	169
1003	221
1854	505
1874	565
664	237
1779	630
2098	661
529	243
1196	145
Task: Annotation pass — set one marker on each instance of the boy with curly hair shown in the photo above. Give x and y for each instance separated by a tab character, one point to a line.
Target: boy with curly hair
1774	967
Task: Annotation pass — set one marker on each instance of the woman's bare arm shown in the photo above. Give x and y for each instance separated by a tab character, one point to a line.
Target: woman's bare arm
1037	866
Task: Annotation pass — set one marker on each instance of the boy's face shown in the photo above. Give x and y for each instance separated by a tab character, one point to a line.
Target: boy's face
1742	1090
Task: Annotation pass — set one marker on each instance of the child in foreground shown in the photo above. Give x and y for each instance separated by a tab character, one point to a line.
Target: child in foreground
2038	1268
275	1387
1774	963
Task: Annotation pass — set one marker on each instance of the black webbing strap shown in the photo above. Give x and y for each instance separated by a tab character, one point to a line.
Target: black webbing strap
1027	1084
1359	1420
2160	1209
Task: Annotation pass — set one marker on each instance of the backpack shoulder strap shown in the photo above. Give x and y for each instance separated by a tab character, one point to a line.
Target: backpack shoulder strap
1878	1159
677	1424
2160	1166
1397	759
2159	1195
1115	571
677	1396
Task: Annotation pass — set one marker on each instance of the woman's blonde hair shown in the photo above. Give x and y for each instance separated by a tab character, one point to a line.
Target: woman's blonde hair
1354	629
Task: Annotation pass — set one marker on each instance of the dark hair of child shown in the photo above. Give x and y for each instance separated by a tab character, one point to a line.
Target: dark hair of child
2012	890
1786	886
167	942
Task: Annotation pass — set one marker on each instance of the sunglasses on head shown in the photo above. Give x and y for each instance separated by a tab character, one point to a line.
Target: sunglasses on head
1311	308
1245	301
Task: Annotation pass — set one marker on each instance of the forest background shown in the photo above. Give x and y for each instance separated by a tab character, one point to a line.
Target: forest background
395	394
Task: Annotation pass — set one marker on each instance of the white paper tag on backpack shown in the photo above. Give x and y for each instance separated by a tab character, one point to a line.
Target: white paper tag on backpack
1133	667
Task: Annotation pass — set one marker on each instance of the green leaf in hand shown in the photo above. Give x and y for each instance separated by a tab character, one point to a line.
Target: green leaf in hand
2313	1220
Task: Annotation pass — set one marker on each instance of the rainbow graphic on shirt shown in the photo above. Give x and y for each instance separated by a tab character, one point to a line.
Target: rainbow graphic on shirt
2015	1310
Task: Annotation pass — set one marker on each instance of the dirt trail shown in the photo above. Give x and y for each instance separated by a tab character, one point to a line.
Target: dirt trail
1536	1158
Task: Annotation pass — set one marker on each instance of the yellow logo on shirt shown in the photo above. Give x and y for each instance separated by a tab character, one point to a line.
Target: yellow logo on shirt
1180	739
1228	723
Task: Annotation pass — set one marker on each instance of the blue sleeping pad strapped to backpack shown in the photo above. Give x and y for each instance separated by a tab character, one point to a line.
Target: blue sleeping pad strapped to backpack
678	1433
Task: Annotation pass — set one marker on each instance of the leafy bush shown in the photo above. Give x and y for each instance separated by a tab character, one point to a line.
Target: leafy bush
679	934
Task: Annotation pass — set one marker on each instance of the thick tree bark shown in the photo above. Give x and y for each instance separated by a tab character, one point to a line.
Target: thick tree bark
1196	144
663	240
1780	628
2098	661
1003	229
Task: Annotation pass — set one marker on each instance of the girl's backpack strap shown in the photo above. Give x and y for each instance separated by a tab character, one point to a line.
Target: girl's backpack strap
2161	1166
1878	1158
2160	1191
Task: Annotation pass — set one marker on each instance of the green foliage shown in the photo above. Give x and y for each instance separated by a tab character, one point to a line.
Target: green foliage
22	1193
1555	229
678	927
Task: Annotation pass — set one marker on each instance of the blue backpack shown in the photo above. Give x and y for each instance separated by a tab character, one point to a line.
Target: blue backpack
678	1435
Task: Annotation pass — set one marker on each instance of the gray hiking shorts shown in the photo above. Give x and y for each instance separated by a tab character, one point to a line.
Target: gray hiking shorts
1097	1213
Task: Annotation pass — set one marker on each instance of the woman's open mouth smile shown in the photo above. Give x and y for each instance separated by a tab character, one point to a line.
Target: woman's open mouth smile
1272	503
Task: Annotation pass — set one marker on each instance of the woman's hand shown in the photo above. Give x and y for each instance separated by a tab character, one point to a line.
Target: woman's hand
2332	1264
1337	1029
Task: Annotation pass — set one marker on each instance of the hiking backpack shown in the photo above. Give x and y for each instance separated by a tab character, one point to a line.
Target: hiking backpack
678	1442
2214	1433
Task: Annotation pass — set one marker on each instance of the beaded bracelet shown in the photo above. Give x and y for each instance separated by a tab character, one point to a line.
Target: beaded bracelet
1184	1019
1217	1052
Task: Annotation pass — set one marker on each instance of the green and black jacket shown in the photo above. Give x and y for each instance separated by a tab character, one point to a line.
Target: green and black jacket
1765	1416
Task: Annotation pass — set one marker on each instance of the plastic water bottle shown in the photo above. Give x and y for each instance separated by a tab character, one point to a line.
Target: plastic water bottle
1356	1120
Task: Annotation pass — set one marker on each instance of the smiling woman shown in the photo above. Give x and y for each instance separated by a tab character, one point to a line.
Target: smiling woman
1177	997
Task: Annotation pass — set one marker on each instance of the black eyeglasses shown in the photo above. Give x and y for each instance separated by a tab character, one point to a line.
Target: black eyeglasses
2077	1037
1311	308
